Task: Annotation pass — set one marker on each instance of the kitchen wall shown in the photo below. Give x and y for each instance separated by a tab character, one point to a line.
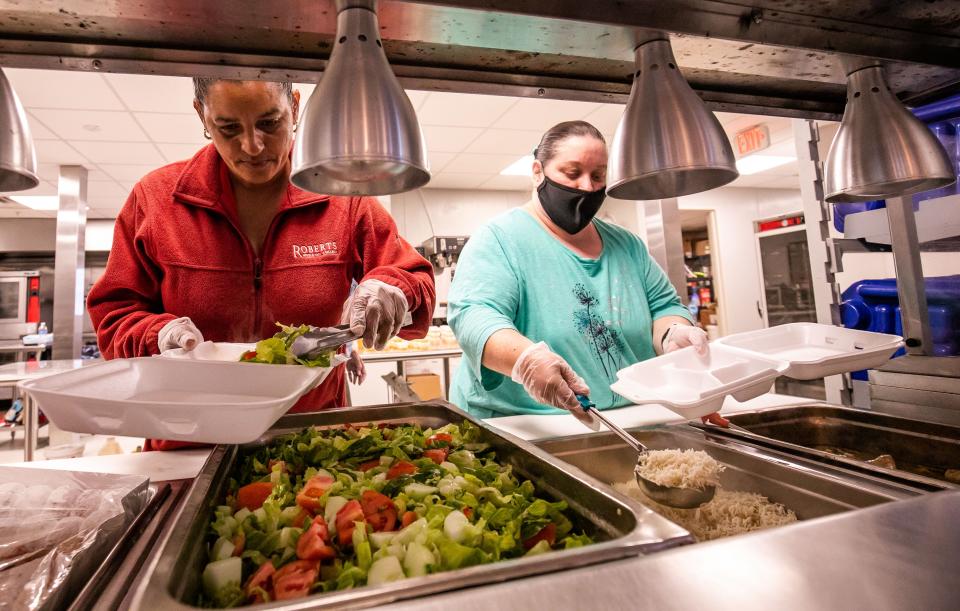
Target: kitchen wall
33	235
735	259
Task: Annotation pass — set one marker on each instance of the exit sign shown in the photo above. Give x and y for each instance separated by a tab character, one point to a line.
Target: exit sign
752	140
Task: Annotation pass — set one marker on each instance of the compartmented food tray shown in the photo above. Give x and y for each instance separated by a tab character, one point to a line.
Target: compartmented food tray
183	400
814	350
804	488
693	385
621	526
923	454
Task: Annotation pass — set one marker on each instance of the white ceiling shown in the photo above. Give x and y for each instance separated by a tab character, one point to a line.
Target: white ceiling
121	126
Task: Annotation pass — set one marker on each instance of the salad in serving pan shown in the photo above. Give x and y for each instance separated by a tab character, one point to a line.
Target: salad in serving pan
333	509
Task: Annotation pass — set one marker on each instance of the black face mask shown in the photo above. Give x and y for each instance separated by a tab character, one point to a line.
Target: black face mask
570	209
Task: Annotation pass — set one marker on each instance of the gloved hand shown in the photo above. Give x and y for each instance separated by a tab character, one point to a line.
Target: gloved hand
550	380
375	311
179	333
356	371
681	336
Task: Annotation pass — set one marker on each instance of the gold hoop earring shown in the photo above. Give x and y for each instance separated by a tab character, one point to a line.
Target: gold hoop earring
206	134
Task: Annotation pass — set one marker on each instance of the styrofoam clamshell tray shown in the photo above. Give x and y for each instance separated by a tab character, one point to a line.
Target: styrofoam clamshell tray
744	365
814	350
207	401
693	385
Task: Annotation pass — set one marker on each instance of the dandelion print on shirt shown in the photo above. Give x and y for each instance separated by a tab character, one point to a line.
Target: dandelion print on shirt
606	342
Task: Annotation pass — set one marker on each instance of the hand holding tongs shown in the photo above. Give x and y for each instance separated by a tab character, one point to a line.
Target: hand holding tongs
320	340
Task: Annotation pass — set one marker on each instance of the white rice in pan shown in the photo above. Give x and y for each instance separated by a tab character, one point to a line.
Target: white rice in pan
680	468
729	513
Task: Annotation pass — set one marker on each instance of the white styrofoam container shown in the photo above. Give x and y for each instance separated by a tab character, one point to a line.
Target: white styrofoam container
211	351
814	350
693	385
206	401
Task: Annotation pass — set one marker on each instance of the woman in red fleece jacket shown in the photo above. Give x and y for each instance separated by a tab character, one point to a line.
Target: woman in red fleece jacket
223	246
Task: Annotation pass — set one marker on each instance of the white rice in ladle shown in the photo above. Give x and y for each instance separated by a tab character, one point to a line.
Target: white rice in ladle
680	468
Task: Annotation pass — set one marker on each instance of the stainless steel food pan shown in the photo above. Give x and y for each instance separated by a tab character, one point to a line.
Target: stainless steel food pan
621	526
922	451
809	491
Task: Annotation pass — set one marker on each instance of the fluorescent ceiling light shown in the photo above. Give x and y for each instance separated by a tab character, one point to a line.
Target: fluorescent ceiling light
751	164
37	202
520	167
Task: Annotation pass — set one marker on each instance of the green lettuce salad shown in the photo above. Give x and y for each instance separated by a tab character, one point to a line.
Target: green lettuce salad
324	510
276	350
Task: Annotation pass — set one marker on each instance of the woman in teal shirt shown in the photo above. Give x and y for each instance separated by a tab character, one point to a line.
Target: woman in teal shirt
549	302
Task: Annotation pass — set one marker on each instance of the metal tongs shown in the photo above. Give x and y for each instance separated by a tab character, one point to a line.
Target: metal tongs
320	340
680	498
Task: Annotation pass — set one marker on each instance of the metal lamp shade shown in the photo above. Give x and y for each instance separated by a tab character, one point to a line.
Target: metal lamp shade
359	134
18	159
668	143
881	149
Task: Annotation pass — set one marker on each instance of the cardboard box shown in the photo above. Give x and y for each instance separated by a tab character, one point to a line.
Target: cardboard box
701	248
426	385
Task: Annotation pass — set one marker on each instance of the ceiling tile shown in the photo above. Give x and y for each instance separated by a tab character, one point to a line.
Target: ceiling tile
750	181
128	185
104	125
449	139
439	160
97	213
127	173
446	180
63	89
606	118
105	190
38	130
169	127
57	152
179	152
417	97
508	183
121	152
510	142
472	163
463	110
152	93
541	115
51	173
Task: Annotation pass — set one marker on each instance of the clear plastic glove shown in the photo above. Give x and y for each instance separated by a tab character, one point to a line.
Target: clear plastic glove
356	371
550	380
179	333
375	311
681	336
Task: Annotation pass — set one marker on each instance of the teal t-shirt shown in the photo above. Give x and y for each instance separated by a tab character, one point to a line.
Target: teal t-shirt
595	313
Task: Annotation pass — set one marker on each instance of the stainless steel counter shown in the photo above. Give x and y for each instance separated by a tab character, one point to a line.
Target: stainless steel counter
901	555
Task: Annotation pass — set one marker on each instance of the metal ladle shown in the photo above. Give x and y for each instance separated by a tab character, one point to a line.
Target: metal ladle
679	498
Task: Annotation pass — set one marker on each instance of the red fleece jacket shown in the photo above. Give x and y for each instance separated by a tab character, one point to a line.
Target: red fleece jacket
178	251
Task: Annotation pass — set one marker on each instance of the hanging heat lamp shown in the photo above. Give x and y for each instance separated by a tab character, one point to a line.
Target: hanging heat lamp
359	133
667	143
18	159
881	149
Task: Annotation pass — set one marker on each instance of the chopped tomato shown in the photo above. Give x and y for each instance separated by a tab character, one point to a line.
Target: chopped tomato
345	521
239	540
316	486
437	455
547	533
301	518
370	464
379	510
293	580
409	518
401	467
249	355
259	580
253	495
440	440
312	544
467	511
